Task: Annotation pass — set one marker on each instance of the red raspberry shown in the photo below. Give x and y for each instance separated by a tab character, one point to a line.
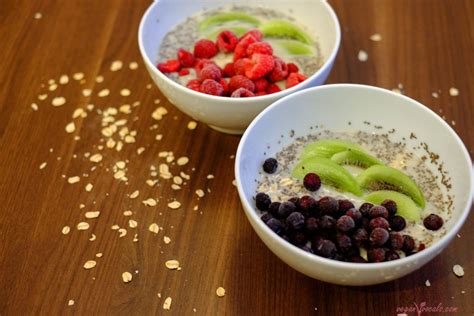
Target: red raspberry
259	48
168	66
261	84
294	78
183	72
185	58
242	93
241	48
212	87
194	84
201	63
240	81
224	85
226	41
259	66
280	72
292	67
205	48
259	93
255	33
273	88
239	66
210	71
229	70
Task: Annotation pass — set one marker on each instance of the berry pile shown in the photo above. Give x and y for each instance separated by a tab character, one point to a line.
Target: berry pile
254	70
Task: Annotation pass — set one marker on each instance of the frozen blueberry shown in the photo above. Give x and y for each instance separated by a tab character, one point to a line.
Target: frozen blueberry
295	201
285	209
311	225
378	237
345	224
326	222
312	182
308	205
360	237
307	249
270	165
355	214
316	240
391	206
266	217
357	259
377	211
391	255
344	242
345	205
397	223
326	248
378	222
376	255
274	225
365	208
328	205
262	201
273	208
298	238
295	221
395	241
433	222
408	244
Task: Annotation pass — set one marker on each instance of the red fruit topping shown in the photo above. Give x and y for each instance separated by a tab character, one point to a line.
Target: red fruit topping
185	58
201	63
273	88
229	70
293	79
280	72
255	33
205	48
212	87
261	84
224	85
241	48
259	66
226	41
259	93
194	84
242	93
183	72
292	67
239	81
168	66
239	66
259	48
312	182
210	71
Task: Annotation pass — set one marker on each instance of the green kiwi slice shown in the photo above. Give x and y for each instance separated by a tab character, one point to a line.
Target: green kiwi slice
379	176
326	148
237	30
285	29
355	157
294	47
330	173
405	205
220	18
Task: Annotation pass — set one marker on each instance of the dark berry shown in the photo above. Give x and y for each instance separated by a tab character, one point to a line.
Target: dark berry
355	214
352	251
360	237
345	224
266	217
307	249
312	182
395	241
285	209
308	205
295	221
316	241
270	165
339	257
391	255
408	244
378	237
295	201
326	248
376	255
326	222
298	238
357	259
274	225
273	208
344	242
345	205
421	247
391	206
364	223
262	201
378	222
365	208
433	222
397	223
311	225
328	205
377	211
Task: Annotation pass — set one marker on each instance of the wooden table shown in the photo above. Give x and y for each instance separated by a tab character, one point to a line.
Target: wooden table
427	46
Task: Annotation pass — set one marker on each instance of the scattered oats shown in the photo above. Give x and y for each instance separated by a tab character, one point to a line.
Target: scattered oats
90	264
42	97
86	92
96	158
78	76
52	87
82	226
127	213
427	283
132	223
129	139
125	108
234	182
194	310
159	295
99	255
38	15
43	165
363	56
172	264
458	270
79	112
177	180
182	161
70	302
34	106
126	277
140	150
133	65
81	206
72	180
435	95
103	93
99	79
220	291
121	164
154	228
58	101
210	176
64	79
89	187
174	205
167	303
149	202
122	232
376	37
166	239
115	227
184	175
135	238
159	113
135	194
396	90
119	175
70	128
175	187
159	137
192	125
66	230
93	237
232	156
151	182
116	65
90	107
200	193
124	92
92	214
453	92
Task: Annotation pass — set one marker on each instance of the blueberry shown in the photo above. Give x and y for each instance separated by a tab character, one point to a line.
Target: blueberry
345	205
270	165
391	255
360	237
433	222
285	209
378	222
344	242
273	208
326	222
345	224
295	221
364	223
295	201
311	225
365	208
326	248
308	205
395	241
274	225
298	238
378	237
266	217
376	255
408	244
397	223
312	182
391	206
262	201
316	242
357	259
377	211
328	205
355	214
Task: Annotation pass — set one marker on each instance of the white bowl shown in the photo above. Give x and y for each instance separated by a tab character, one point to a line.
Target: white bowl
333	106
231	115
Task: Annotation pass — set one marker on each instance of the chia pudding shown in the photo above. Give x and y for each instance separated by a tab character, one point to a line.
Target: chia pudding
277	184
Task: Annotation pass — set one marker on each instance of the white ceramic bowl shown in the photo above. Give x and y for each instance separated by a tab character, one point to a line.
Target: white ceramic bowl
333	106
231	115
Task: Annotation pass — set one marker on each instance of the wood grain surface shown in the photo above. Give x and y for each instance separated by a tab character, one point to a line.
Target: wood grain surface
427	46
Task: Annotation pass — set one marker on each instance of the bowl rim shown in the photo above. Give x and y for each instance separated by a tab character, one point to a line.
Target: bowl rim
269	97
251	211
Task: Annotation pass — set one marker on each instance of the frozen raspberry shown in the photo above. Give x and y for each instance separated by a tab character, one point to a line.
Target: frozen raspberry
354	213
259	93
396	241
312	182
360	237
171	65
294	79
201	63
183	72
259	48
239	81
344	242
279	72
241	48
378	237
391	255
229	70
210	71
345	224
194	84
345	205
298	238
259	66
376	255
379	222
185	58
273	208
273	88
224	85
261	84
242	93
255	33
292	67
205	48
262	201
433	222
377	211
239	66
311	225
226	41
212	87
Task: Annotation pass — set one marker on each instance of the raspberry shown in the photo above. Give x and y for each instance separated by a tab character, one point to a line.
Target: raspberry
242	93
224	85
212	87
185	58
229	70
168	66
226	41
241	48
210	71
239	81
273	88
259	66
259	48
255	33
183	72
292	67
239	66
194	84
259	93
279	72
201	63
261	85
205	48
294	79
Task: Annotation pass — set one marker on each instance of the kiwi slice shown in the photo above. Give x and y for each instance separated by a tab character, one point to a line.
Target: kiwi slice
293	47
386	177
326	148
330	173
405	205
220	18
237	30
281	28
356	158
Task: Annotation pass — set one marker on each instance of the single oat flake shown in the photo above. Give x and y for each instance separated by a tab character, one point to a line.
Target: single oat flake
70	128
92	214
58	101
220	291
78	76
192	125
453	92
376	37
166	239
159	113
362	56
103	93
90	264
458	270
70	302
154	228
174	205
200	193
149	202
182	161
66	230
172	265
167	303
43	165
126	277
72	180
125	92
38	16
116	65
83	226
64	79
89	187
